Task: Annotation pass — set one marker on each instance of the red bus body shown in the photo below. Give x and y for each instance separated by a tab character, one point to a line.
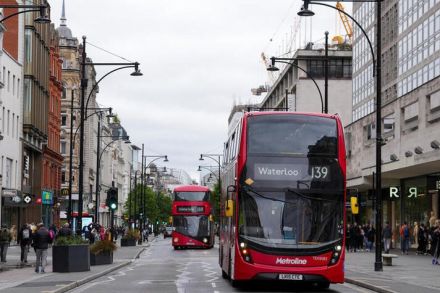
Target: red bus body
192	217
281	227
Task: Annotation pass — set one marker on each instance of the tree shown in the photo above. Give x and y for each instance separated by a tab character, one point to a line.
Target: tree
157	205
215	201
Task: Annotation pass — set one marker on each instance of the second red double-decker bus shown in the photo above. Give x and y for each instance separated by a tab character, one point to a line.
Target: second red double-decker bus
193	224
283	198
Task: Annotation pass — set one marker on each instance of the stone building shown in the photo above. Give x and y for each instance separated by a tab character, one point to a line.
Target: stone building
11	118
36	99
410	110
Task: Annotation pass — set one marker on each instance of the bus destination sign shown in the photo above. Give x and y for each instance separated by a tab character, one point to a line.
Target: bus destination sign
291	172
190	209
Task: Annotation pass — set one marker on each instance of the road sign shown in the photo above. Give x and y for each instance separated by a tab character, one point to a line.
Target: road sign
27	199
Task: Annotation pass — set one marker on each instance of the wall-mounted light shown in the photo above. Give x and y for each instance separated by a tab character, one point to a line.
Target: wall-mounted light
408	154
418	150
435	144
393	157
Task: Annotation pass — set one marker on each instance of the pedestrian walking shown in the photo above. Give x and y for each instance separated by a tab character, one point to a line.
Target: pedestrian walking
64	231
24	238
404	238
387	234
13	231
5	240
41	243
422	240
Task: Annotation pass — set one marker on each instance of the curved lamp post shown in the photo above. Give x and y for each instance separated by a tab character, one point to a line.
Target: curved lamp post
165	159
211	156
43	18
209	169
272	67
84	83
377	71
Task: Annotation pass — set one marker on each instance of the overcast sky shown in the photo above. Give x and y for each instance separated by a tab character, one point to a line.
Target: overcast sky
198	57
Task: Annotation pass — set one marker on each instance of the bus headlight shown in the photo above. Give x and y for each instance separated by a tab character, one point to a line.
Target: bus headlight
205	240
176	239
245	252
335	255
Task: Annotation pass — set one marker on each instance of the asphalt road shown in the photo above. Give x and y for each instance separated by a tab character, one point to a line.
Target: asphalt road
165	270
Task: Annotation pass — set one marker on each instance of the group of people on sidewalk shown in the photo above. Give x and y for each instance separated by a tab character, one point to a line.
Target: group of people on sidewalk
425	237
37	236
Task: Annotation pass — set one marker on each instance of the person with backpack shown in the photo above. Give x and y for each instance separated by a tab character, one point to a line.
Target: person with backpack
24	239
5	239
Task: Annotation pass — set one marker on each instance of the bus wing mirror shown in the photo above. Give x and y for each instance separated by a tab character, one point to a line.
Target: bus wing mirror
229	208
230	189
354	205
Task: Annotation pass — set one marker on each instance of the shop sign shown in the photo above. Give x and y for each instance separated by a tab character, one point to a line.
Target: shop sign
47	197
9	192
395	192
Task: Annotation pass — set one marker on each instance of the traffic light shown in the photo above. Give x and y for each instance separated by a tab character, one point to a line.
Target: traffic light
112	198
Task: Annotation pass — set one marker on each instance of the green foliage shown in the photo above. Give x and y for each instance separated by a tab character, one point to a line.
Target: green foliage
157	205
132	234
215	201
102	246
69	240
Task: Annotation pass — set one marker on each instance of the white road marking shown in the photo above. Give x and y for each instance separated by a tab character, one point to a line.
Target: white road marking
213	285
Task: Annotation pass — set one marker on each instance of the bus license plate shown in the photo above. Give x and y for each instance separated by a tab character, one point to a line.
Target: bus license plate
294	277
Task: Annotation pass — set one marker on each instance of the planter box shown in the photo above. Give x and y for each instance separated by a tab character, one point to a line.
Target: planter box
103	258
128	242
71	258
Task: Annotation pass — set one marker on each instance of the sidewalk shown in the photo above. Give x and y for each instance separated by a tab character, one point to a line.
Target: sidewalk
409	273
22	280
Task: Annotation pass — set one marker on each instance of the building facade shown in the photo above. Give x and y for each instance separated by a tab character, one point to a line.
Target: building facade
294	90
35	109
11	118
70	113
52	158
411	113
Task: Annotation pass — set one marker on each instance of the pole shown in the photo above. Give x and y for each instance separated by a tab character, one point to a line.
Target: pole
112	215
81	138
378	264
326	74
98	165
141	223
129	202
69	209
136	212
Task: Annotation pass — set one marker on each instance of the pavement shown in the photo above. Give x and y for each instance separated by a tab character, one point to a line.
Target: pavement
15	278
409	273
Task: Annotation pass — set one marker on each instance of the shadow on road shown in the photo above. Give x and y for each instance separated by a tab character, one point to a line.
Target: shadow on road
268	286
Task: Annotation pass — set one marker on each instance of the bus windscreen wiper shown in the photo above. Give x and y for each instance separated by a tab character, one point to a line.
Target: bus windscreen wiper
310	197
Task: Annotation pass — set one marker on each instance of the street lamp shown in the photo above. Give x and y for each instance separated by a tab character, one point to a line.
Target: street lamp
84	82
43	18
272	67
377	64
209	168
155	158
211	156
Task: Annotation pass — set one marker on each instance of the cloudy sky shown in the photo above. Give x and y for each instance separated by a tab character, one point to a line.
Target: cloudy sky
198	57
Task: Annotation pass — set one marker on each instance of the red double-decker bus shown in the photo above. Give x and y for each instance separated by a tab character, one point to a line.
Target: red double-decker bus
283	198
193	224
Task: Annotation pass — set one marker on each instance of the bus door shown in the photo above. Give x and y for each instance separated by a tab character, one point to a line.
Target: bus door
229	233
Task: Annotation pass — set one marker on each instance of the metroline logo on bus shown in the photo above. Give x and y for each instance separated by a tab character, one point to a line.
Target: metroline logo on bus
290	261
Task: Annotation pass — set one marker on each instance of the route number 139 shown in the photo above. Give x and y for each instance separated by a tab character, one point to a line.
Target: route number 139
320	172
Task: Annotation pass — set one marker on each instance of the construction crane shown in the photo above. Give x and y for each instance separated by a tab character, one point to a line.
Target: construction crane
345	21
